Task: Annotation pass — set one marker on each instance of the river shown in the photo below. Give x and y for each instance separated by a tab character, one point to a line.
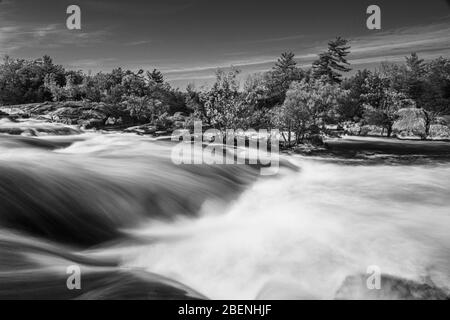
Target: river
140	226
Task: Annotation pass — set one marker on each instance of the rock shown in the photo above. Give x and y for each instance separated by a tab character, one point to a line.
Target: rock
92	123
439	132
351	128
178	124
161	133
371	130
3	114
112	121
144	129
392	288
35	128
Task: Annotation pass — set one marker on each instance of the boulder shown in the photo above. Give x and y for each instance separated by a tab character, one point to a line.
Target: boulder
112	121
91	123
371	130
439	132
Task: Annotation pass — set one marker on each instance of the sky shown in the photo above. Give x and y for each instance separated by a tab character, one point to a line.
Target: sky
189	39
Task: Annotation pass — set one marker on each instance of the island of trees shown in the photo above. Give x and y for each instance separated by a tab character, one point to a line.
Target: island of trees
409	99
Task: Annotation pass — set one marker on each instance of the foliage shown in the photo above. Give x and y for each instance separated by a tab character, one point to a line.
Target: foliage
308	107
332	62
382	103
222	106
300	102
144	108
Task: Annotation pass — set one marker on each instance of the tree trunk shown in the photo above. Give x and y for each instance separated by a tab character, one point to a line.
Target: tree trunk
289	136
427	125
389	131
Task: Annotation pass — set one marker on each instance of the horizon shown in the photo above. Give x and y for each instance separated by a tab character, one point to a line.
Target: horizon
188	40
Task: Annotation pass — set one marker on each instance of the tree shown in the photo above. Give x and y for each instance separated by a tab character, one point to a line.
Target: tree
382	103
194	103
428	84
222	103
435	100
144	108
155	76
415	65
23	81
415	84
280	78
332	62
351	109
309	105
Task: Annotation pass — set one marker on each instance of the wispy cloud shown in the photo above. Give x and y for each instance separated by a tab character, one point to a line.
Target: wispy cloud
138	43
13	38
16	36
430	41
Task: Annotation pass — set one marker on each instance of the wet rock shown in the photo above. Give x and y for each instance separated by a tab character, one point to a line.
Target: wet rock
91	123
3	114
392	288
161	133
143	129
371	130
112	121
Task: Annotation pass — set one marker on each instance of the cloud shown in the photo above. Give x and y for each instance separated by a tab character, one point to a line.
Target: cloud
138	43
13	37
430	41
89	64
16	36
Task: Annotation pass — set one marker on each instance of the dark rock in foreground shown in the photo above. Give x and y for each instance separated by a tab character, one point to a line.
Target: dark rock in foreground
392	288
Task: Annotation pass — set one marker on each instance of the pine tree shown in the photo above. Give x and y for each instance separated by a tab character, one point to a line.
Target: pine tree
280	78
285	64
415	65
332	62
155	76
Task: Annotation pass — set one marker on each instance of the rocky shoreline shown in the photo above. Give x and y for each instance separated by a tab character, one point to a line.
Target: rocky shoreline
70	115
85	116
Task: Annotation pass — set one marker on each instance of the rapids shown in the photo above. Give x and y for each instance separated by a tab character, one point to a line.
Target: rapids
143	227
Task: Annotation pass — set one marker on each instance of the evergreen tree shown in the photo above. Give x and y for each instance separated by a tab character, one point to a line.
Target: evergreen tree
285	64
155	76
332	62
415	65
280	78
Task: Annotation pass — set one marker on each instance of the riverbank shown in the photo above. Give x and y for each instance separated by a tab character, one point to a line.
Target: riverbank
102	116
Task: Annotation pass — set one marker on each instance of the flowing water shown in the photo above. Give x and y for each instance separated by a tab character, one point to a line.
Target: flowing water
142	227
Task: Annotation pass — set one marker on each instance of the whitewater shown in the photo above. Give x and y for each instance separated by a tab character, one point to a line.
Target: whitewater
142	227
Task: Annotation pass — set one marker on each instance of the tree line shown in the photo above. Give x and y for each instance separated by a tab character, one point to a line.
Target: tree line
301	102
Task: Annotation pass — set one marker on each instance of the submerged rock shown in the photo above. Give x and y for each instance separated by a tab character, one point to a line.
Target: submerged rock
392	288
35	128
